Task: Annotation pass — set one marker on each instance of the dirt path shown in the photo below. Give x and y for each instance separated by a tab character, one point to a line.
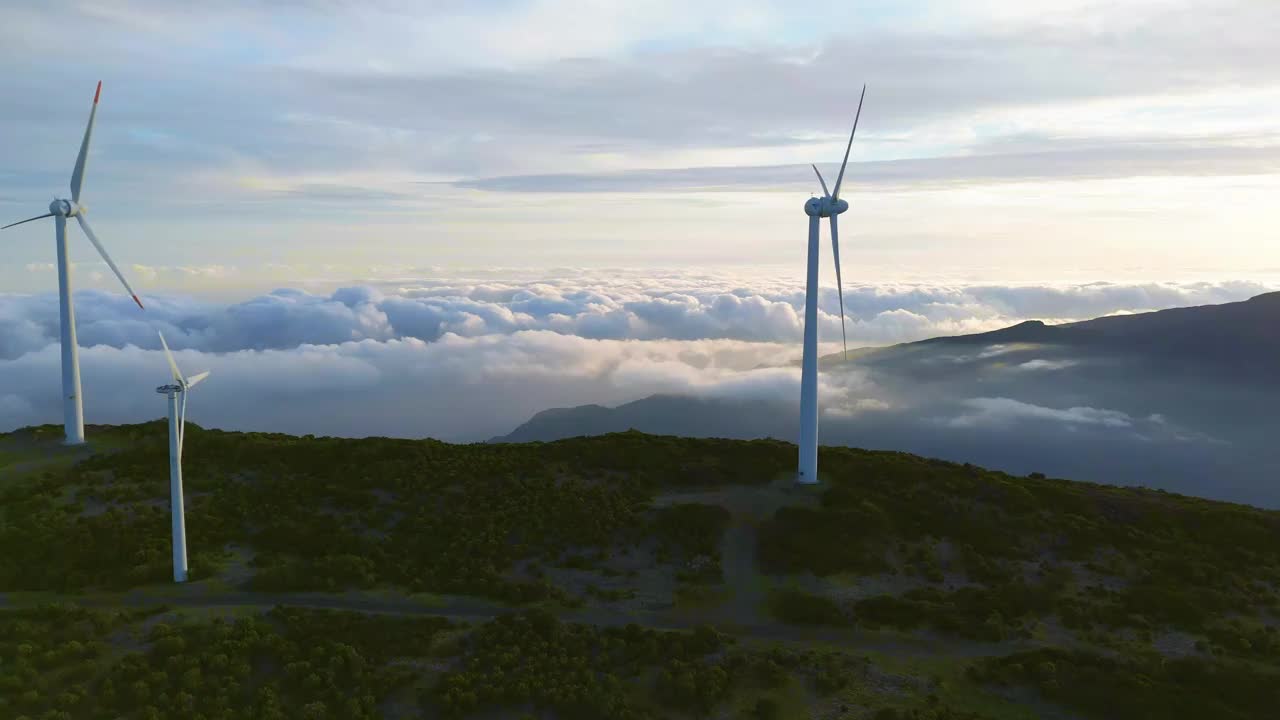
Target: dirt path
738	561
748	507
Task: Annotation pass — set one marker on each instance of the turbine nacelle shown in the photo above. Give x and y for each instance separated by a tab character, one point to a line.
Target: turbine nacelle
824	207
64	208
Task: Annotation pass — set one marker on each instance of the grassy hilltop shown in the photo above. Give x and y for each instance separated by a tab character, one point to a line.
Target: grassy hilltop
620	576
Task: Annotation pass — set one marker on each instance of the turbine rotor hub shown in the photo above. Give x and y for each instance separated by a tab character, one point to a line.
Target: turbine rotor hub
824	207
64	208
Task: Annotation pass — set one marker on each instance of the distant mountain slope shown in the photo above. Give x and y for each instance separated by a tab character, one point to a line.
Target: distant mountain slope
676	415
1242	336
1231	332
1182	399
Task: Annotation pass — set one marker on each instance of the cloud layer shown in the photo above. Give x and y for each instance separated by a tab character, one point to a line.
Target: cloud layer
467	358
456	388
620	305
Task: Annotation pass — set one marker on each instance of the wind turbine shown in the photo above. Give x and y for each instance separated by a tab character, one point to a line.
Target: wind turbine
177	429
829	206
60	210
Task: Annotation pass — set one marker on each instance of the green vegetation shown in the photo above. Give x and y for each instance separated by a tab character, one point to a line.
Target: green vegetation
580	671
58	663
1150	687
577	670
50	656
66	663
1029	596
327	664
1089	555
796	606
690	534
329	514
991	614
926	713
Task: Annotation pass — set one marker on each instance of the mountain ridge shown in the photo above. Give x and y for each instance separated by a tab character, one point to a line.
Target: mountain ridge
1176	398
1240	315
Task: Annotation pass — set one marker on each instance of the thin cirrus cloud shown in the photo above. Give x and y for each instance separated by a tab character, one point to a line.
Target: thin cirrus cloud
1105	160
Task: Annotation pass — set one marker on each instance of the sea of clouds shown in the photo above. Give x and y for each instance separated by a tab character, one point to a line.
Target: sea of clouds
465	357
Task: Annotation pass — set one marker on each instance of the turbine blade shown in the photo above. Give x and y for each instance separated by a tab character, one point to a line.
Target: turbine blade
196	379
38	217
182	424
835	250
825	191
88	231
173	364
77	176
840	177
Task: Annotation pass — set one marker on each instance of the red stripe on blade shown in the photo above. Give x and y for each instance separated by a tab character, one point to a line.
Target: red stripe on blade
97	93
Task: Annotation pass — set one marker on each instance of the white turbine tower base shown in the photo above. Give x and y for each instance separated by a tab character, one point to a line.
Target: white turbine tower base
72	408
808	470
829	206
177	511
60	210
177	395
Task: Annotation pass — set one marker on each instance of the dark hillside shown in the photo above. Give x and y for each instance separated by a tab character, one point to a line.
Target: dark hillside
1241	338
582	578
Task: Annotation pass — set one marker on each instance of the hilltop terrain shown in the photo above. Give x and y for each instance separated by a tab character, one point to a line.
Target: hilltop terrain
625	576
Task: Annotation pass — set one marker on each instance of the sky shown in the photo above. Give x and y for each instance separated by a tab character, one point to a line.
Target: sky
244	145
438	218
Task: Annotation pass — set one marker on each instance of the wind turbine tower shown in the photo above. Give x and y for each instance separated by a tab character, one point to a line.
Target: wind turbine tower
60	210
177	394
828	206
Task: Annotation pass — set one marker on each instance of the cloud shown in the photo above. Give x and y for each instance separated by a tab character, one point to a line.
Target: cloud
854	407
618	305
997	411
997	350
20	331
352	101
466	357
281	134
1040	364
455	388
14	405
1109	159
